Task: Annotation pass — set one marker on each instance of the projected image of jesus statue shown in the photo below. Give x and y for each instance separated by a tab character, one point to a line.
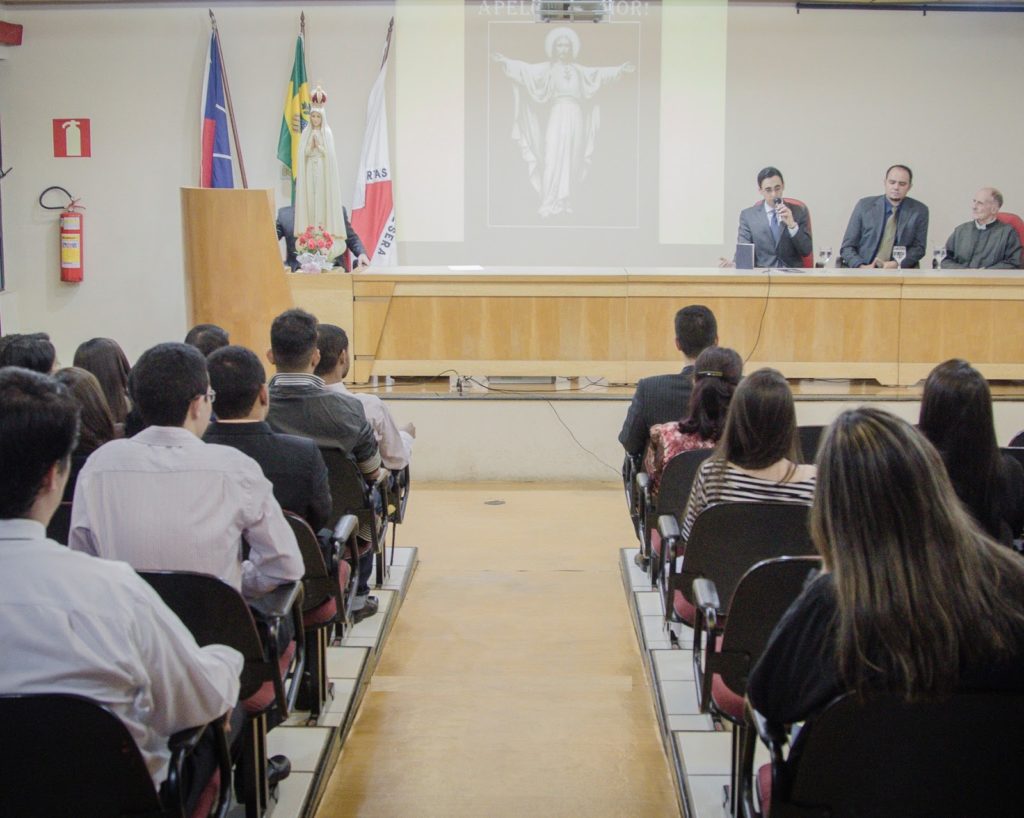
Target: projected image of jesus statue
558	155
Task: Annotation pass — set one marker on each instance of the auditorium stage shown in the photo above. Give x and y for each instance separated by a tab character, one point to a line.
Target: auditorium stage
567	432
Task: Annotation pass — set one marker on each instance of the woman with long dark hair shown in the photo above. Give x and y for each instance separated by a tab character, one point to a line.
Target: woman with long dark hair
97	422
105	359
758	457
914	598
716	374
956	416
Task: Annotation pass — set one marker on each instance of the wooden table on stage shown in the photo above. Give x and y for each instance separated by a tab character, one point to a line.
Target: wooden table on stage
617	323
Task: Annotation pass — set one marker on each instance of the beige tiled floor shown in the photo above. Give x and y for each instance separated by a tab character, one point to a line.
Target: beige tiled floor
512	682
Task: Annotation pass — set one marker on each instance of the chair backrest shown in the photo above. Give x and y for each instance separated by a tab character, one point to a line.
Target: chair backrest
60	523
1016	222
1016	452
677	480
65	756
316	580
730	538
810	437
887	757
215	614
348	488
762	596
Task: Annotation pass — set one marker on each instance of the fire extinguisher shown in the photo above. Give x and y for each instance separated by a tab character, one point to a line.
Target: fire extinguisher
72	236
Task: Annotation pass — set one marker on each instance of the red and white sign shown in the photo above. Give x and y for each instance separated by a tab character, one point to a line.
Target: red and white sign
71	139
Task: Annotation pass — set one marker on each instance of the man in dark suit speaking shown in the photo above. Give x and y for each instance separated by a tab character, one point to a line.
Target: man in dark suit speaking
879	223
780	232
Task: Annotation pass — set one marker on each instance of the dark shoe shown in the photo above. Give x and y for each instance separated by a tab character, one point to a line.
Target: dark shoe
368	610
641	561
278	769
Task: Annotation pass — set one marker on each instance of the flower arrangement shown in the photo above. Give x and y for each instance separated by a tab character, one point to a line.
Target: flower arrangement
313	249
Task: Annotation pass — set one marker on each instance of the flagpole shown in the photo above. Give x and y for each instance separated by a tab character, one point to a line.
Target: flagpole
227	99
387	43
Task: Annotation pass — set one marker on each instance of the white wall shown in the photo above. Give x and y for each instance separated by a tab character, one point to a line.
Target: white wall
832	98
474	438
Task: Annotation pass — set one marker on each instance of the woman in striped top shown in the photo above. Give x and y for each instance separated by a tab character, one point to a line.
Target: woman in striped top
758	457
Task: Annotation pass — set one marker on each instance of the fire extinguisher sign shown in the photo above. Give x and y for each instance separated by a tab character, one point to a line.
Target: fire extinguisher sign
71	139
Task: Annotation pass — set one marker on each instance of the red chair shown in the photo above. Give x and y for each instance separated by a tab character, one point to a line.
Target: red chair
808	260
1017	223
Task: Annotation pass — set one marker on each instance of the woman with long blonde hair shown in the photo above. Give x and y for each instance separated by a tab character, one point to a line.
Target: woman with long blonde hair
915	598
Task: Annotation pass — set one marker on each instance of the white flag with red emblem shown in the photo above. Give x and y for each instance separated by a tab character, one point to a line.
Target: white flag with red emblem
373	205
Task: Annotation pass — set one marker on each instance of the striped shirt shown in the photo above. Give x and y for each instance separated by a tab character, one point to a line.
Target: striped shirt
721	482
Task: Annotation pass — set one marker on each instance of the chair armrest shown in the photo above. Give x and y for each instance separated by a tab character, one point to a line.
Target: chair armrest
185	741
668	527
278	603
643	481
705	594
773	735
346	528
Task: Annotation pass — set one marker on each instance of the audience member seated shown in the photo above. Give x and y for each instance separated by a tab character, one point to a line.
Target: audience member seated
207	338
72	624
300	404
758	457
717	373
956	416
394	443
97	423
164	500
664	398
105	359
914	598
292	464
34	351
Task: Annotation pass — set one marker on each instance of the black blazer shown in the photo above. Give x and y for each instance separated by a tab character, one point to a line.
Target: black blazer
291	463
286	230
658	399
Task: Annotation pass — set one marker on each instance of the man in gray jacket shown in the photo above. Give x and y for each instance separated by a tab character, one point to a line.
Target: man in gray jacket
984	242
879	223
300	404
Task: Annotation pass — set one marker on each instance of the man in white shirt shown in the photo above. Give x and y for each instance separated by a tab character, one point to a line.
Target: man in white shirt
395	442
165	500
76	625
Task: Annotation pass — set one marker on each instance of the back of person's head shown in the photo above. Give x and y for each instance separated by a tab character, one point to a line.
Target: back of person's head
207	338
331	341
34	351
165	380
236	375
293	340
716	375
696	329
956	416
760	428
97	422
919	588
105	359
38	427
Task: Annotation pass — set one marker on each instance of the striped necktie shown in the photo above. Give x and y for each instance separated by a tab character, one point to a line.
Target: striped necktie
773	222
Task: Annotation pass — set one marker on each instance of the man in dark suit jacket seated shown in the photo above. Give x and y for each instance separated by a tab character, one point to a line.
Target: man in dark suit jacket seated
292	464
780	233
879	223
662	398
286	231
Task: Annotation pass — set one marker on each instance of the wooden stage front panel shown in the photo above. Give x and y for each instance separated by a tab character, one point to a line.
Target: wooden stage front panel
617	323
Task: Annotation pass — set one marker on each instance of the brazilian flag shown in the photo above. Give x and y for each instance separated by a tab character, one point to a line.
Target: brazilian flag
296	113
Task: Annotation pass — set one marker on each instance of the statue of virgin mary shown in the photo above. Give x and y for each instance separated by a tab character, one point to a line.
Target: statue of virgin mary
317	190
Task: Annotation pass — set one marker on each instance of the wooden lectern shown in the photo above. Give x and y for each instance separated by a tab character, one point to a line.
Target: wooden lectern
233	268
